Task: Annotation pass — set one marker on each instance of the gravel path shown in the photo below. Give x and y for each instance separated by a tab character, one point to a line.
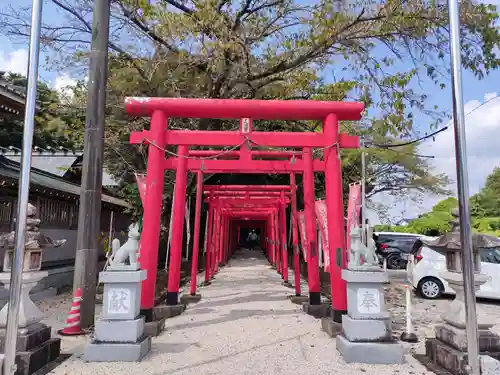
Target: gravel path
243	325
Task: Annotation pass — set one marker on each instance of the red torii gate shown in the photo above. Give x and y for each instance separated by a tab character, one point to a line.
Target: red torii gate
159	136
224	243
254	202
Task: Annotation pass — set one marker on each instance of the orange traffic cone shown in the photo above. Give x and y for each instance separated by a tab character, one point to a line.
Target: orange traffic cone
73	321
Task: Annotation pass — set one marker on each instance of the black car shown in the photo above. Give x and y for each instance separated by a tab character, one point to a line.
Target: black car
394	248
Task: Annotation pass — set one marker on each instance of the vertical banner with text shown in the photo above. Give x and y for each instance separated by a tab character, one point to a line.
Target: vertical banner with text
353	209
301	218
320	208
141	185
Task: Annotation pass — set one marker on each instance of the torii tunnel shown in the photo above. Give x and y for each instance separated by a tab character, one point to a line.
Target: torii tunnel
232	207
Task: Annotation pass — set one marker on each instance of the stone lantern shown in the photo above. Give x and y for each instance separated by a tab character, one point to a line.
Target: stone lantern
34	338
449	347
366	328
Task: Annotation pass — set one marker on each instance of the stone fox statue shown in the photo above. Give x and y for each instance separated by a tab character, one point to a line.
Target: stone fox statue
360	251
128	251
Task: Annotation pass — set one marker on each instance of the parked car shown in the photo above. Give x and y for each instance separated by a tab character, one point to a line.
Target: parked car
426	265
394	247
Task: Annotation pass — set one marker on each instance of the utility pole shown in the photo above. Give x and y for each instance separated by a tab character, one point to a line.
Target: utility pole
89	218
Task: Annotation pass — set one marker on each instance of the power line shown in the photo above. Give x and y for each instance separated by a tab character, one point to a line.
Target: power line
427	136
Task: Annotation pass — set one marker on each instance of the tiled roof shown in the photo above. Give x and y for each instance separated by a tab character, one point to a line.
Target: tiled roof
56	163
12	98
10	169
15	90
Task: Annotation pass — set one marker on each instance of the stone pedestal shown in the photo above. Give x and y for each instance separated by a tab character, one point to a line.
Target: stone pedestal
29	313
287	284
318	311
299	300
119	333
190	298
168	311
366	329
449	347
34	346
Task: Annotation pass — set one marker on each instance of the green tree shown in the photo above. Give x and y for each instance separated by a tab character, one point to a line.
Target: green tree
283	49
47	129
433	223
486	203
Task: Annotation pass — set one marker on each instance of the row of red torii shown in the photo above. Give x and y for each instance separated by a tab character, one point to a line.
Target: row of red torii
226	208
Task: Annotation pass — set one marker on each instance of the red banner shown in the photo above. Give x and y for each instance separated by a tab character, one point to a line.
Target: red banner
353	209
301	218
321	216
141	185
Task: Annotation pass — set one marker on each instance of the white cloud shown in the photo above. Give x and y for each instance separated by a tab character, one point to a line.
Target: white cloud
483	154
482	133
17	62
63	84
14	62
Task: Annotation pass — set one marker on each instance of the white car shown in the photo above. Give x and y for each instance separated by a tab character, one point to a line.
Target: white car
424	273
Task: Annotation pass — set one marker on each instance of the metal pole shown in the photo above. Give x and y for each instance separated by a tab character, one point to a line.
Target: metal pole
463	189
89	218
110	238
188	226
409	326
363	194
169	240
23	194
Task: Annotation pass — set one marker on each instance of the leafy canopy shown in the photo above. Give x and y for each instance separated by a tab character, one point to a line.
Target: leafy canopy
376	52
47	130
484	207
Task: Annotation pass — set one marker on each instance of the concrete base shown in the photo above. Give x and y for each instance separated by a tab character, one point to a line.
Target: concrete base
154	328
28	338
119	330
444	356
299	300
167	311
409	337
111	352
381	353
331	327
366	330
318	311
34	348
457	338
35	359
489	365
189	298
287	284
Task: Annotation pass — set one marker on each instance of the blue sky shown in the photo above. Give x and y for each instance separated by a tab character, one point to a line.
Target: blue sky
15	57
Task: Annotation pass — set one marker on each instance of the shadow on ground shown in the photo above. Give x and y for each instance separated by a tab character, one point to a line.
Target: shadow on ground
227	356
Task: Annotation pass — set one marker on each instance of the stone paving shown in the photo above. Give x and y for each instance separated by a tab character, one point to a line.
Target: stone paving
246	325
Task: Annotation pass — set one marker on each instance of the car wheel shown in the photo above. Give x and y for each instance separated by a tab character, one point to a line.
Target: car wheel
430	288
393	262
